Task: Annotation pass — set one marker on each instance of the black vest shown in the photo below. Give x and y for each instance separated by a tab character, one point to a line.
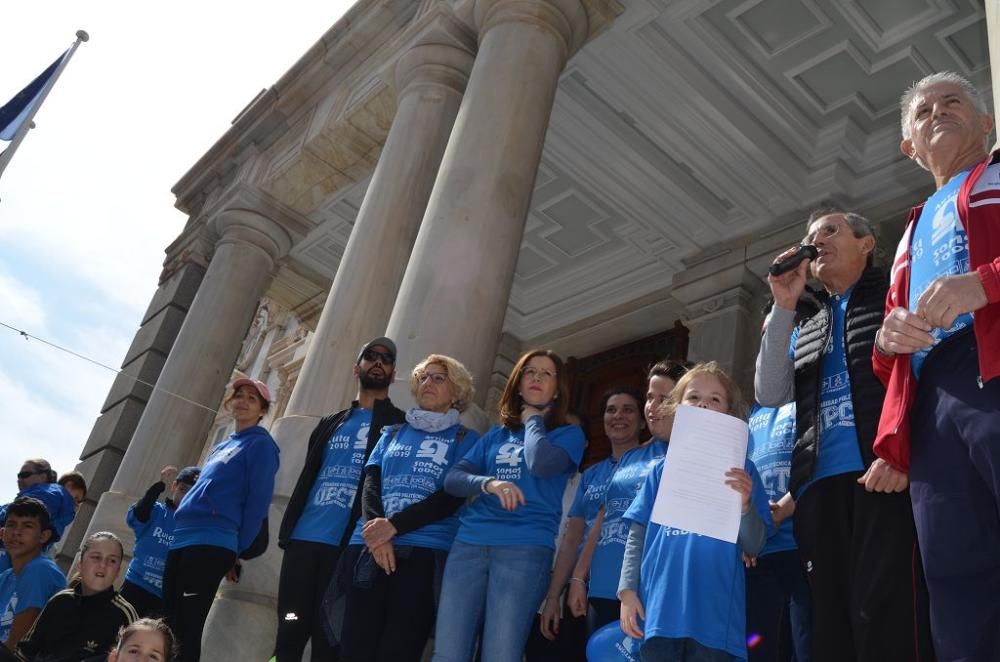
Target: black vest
864	317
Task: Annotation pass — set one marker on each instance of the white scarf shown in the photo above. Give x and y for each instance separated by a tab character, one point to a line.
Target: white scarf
431	421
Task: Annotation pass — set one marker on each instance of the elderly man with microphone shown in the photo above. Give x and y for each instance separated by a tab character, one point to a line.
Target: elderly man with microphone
852	517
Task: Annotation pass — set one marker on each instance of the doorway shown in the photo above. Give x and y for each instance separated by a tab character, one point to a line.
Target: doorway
626	365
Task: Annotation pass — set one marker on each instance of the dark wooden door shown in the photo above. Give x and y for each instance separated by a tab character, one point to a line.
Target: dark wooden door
592	376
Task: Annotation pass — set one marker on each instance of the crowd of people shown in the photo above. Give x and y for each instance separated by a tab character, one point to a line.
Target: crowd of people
869	498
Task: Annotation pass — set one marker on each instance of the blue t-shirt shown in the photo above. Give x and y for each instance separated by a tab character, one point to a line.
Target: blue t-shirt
620	490
939	248
413	465
331	497
38	581
693	586
772	438
590	492
500	453
152	542
838	439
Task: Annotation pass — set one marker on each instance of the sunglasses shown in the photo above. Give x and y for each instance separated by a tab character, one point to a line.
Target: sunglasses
372	355
28	474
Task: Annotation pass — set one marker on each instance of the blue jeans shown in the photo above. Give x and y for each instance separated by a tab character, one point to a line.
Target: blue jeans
504	583
662	649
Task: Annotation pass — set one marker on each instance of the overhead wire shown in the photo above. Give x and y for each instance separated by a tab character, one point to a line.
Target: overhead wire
29	336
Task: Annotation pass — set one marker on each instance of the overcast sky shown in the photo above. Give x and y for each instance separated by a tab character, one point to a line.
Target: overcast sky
85	206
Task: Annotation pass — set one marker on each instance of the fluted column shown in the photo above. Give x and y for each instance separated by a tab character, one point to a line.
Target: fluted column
457	284
172	429
430	78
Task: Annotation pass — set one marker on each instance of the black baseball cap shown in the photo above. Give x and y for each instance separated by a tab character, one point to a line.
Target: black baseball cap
188	475
384	342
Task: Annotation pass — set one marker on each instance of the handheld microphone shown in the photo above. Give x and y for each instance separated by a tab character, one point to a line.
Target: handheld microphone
806	252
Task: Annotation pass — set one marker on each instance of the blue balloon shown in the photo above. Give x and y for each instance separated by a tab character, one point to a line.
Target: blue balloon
610	644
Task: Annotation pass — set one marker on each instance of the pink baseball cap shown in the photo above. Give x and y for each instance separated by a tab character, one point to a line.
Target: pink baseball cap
256	383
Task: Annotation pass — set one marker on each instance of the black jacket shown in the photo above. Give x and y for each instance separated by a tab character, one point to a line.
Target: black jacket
384	413
74	627
864	317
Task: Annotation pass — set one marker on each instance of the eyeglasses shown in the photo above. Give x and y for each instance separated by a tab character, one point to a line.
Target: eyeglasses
824	231
373	355
437	378
538	373
28	474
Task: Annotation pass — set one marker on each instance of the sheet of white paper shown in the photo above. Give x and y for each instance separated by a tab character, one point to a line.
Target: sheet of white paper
693	495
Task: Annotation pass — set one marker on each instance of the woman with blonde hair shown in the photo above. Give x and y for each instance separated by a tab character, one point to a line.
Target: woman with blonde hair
498	568
392	564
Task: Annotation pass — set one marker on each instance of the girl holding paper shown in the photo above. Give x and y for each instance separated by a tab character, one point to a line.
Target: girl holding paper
681	592
605	493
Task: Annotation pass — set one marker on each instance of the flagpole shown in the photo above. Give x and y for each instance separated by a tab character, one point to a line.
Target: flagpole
5	157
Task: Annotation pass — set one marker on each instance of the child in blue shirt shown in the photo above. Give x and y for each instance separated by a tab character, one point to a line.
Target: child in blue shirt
33	578
681	592
153	524
625	469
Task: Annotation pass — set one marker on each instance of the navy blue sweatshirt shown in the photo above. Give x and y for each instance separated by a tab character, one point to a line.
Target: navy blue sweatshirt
229	501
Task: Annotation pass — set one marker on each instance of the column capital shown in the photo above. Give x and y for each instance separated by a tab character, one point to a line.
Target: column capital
566	19
245	226
194	246
440	65
702	286
439	51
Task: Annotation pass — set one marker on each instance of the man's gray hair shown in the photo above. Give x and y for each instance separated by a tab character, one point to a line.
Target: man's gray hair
941	77
860	226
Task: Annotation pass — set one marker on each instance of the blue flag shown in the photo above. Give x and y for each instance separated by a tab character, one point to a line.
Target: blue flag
16	111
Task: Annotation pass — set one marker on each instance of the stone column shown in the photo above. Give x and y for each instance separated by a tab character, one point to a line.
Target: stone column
723	305
127	397
431	78
175	420
993	36
457	284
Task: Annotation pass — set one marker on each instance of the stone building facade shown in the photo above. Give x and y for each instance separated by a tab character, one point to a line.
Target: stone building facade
476	177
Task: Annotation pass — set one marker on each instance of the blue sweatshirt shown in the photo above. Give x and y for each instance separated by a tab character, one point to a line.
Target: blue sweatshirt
229	501
58	501
152	541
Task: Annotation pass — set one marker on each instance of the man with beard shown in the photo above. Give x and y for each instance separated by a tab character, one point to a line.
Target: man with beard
325	505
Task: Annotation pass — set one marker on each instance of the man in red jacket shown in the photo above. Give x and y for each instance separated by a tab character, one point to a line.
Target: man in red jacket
938	353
